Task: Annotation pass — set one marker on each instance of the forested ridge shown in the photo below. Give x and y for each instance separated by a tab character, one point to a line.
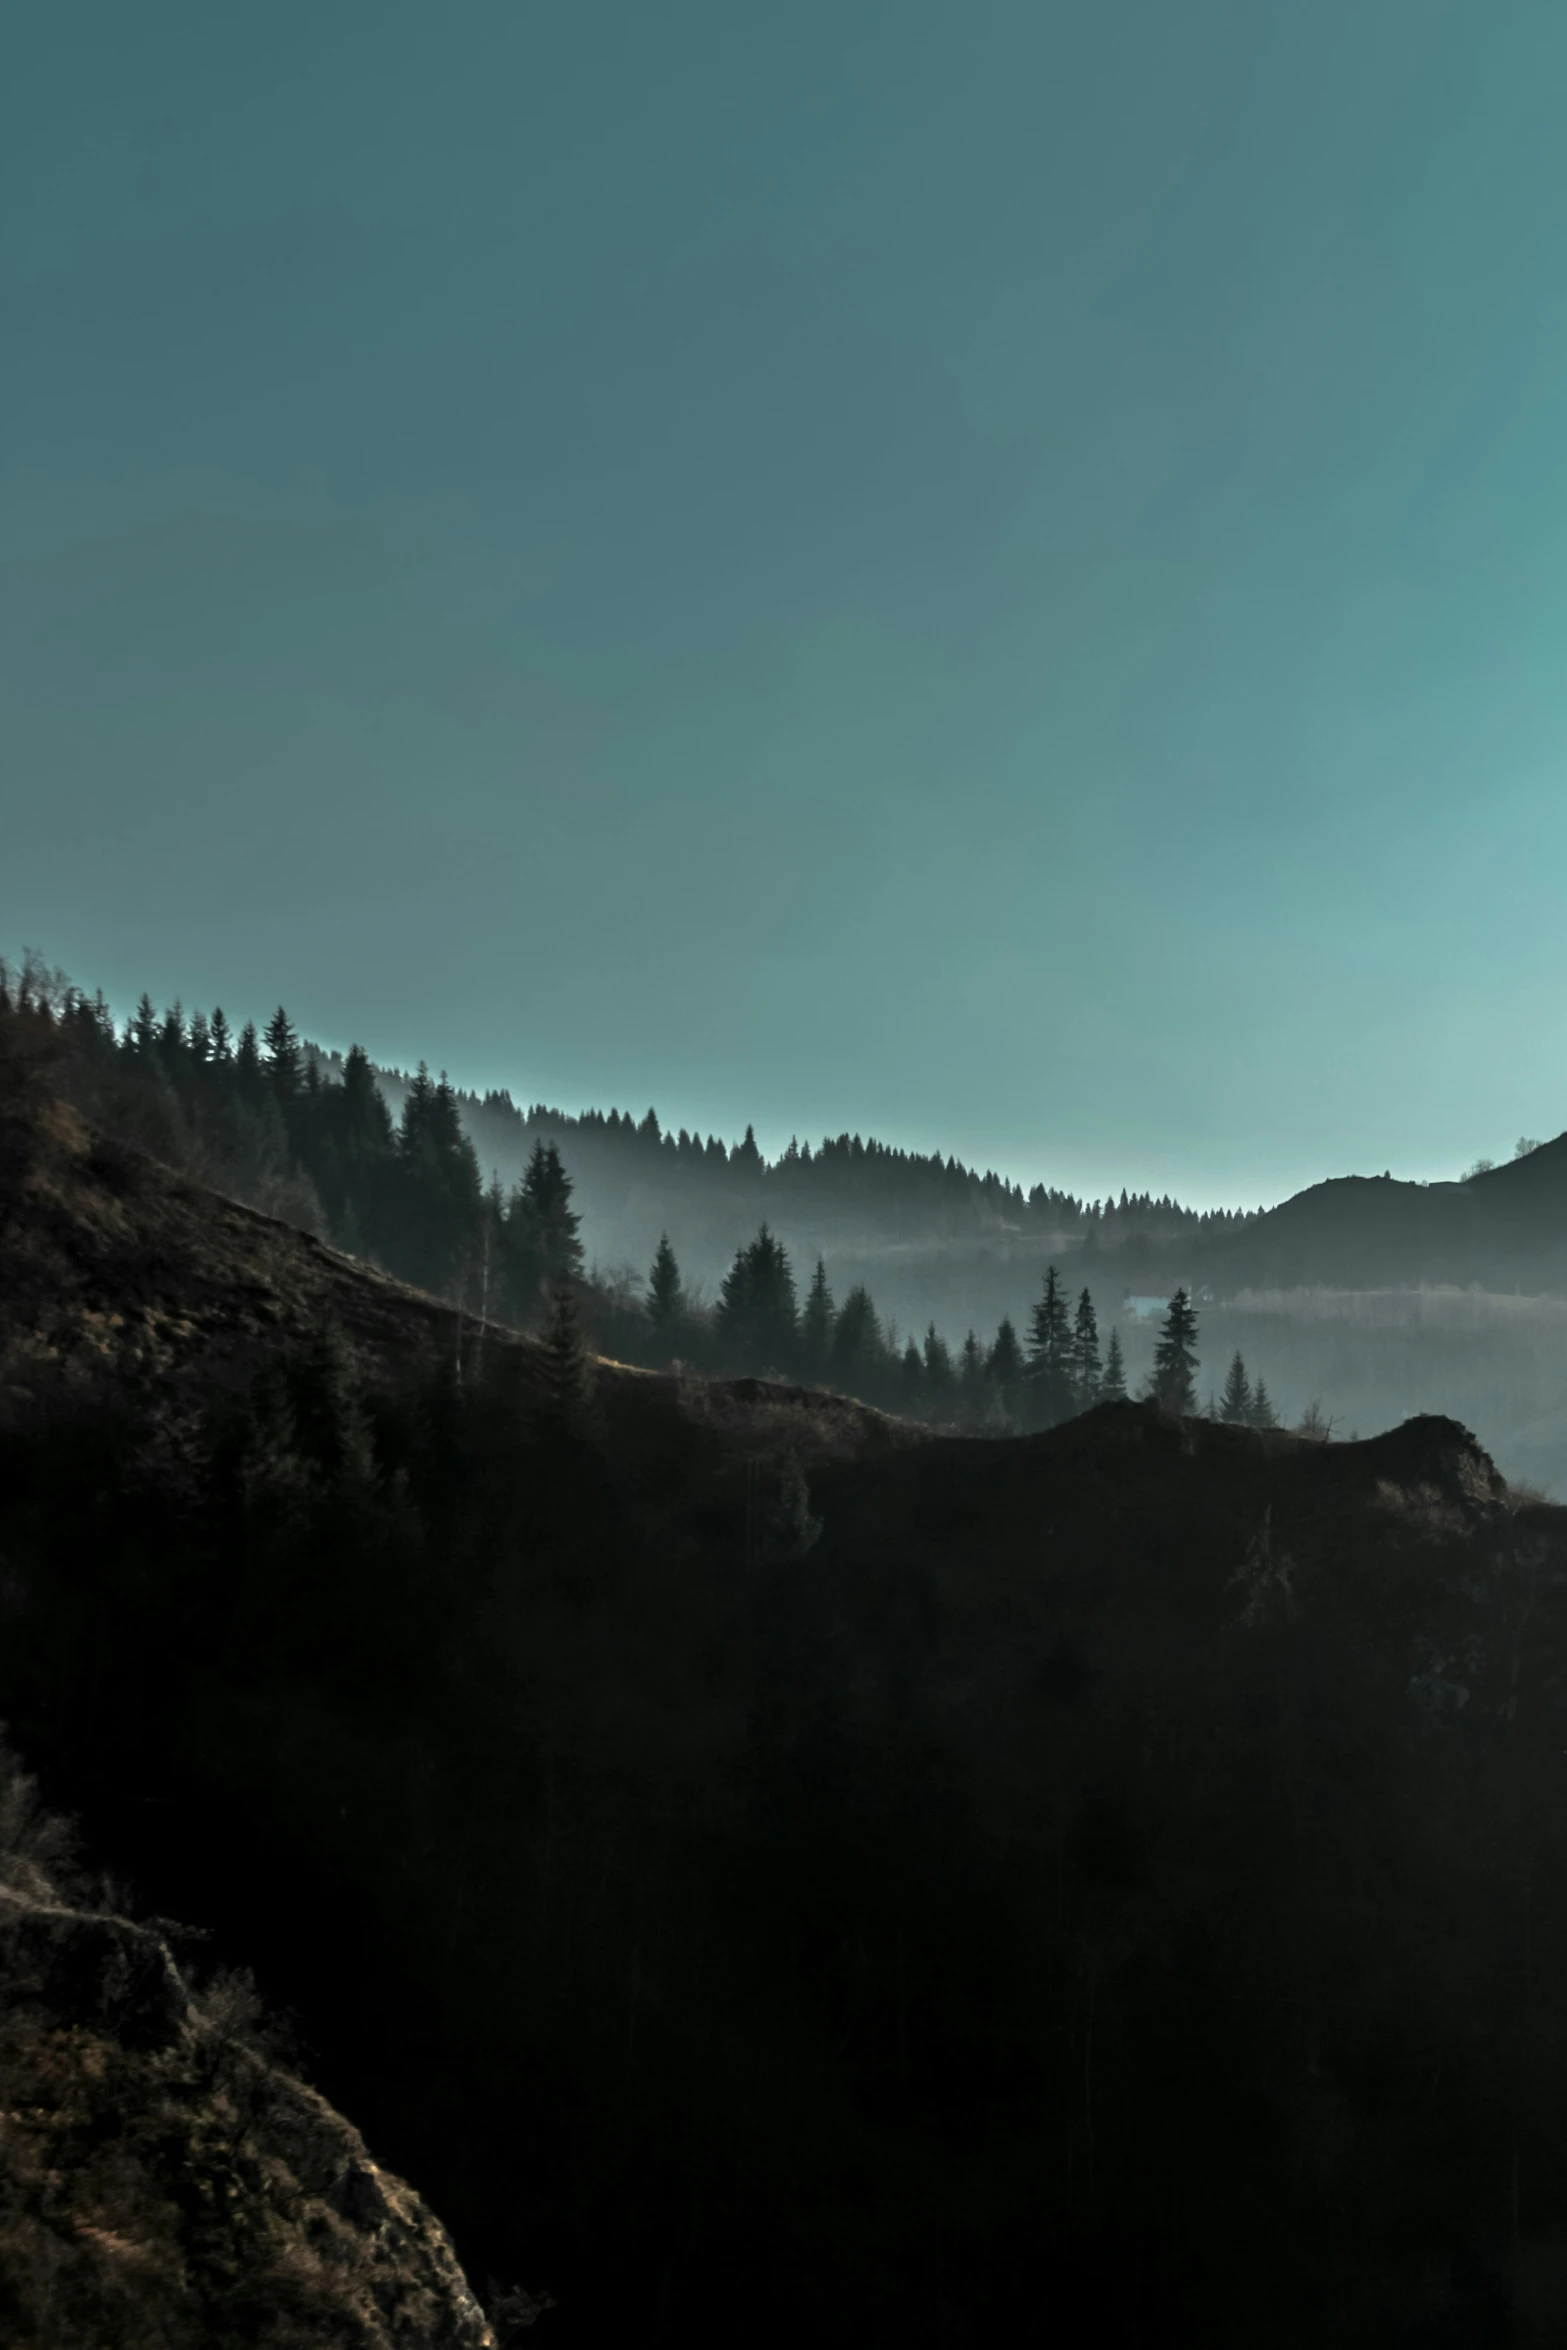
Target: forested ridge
902	1191
277	1123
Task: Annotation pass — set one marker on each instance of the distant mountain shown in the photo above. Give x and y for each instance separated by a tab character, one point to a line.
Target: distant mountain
1504	1229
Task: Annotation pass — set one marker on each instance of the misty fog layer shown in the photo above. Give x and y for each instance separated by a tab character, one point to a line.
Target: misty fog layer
1368	1356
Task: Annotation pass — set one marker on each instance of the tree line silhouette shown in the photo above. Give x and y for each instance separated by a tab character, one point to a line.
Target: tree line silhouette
264	1116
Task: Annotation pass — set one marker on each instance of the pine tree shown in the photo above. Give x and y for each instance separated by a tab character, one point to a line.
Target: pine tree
971	1380
247	1060
1050	1355
283	1056
859	1360
1004	1368
546	1189
1236	1404
222	1037
939	1375
913	1377
142	1035
1175	1357
757	1317
666	1298
366	1120
1087	1373
567	1382
439	1191
413	1132
816	1325
1112	1388
1263	1414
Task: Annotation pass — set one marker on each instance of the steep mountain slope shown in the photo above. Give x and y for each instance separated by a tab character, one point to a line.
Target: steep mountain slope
767	1871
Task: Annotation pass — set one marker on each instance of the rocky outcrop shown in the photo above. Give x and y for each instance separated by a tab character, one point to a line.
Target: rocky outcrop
165	2184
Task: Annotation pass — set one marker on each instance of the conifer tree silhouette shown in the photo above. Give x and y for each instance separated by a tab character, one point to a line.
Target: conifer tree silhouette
283	1056
757	1318
1050	1355
1174	1382
1235	1405
666	1297
567	1384
816	1325
1004	1367
1087	1372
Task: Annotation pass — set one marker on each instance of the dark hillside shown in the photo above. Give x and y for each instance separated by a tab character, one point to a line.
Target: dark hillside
773	1874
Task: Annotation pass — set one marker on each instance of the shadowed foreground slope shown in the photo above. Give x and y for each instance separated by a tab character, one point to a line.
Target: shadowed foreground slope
773	1875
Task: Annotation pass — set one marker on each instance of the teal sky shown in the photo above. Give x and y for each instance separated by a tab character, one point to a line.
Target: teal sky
993	574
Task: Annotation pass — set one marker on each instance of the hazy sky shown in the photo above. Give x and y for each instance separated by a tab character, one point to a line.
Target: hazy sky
990	573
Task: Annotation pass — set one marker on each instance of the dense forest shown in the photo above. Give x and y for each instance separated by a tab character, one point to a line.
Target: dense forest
275	1123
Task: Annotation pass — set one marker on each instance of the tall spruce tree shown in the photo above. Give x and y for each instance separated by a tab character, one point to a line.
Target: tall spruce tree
542	1227
1050	1355
365	1120
1263	1414
1087	1372
567	1383
547	1188
1235	1405
1112	1387
247	1062
143	1032
1005	1369
1175	1357
757	1317
283	1057
940	1378
816	1325
666	1298
859	1361
971	1380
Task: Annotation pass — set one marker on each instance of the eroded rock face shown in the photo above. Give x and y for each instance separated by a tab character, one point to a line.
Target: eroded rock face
164	2185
